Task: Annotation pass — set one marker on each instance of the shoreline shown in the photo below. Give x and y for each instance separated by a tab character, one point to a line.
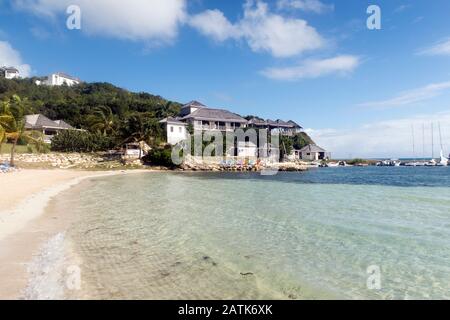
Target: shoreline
25	226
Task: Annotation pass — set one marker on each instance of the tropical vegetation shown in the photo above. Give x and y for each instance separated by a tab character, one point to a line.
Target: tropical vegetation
81	141
108	116
12	126
96	107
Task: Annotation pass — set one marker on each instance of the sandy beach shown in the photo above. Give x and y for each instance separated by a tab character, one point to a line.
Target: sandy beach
24	225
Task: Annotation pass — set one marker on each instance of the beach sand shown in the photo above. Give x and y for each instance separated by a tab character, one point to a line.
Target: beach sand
24	225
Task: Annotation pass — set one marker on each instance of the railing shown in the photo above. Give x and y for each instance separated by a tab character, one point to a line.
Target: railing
210	128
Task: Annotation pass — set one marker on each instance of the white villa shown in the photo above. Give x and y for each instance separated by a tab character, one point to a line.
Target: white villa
311	152
202	118
176	130
9	72
59	79
48	127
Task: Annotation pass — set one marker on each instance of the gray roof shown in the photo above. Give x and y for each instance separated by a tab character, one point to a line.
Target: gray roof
283	124
296	125
214	115
257	121
279	123
172	121
311	148
62	124
194	104
9	69
39	121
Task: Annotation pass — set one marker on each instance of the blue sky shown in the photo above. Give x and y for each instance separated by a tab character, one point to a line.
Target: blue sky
359	92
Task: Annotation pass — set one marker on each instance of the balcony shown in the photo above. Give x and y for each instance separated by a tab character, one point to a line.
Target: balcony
213	127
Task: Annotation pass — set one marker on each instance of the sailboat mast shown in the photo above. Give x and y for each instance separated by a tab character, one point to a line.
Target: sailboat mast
432	141
414	142
423	141
440	136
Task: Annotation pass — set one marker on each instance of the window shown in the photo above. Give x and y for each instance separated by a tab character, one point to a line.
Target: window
171	129
180	129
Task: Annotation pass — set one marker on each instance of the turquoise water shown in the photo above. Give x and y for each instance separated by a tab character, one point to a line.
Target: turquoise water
243	236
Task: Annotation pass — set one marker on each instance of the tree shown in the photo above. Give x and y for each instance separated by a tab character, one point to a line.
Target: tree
140	127
301	140
5	123
12	120
190	128
81	141
87	101
102	120
286	147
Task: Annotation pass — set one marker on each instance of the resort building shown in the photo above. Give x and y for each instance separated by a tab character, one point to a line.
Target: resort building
311	152
176	130
60	79
288	128
50	128
202	118
9	72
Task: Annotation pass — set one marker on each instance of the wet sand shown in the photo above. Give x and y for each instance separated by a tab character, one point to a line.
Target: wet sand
24	224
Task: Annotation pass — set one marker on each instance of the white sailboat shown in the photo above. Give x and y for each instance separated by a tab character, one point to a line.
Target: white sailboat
444	160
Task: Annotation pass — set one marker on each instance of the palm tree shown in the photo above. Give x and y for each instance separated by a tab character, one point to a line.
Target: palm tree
2	132
6	121
140	127
12	123
102	120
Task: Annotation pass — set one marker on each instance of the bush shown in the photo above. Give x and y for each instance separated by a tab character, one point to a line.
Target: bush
160	157
81	141
356	161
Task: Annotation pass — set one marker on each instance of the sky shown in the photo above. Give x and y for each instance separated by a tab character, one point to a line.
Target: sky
358	92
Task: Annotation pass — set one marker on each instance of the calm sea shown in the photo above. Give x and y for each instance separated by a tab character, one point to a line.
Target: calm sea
306	235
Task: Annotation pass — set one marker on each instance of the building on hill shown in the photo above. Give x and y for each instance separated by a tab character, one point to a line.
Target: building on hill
50	128
203	118
9	72
60	79
190	107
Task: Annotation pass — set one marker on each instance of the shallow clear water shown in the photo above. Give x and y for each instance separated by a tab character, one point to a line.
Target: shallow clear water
245	236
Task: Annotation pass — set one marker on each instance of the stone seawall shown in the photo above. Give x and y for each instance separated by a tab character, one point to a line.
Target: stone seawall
68	160
106	161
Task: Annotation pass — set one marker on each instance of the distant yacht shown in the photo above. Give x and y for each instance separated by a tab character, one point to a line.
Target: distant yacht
444	160
431	163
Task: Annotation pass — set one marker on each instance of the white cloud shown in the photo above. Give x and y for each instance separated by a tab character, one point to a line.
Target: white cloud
314	68
214	24
11	58
262	30
441	48
402	8
387	139
410	97
315	6
153	20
